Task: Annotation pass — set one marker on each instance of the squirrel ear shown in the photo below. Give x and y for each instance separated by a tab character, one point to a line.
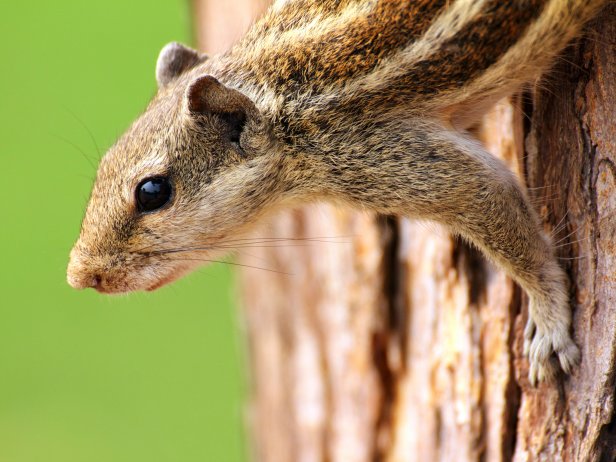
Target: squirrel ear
174	59
206	95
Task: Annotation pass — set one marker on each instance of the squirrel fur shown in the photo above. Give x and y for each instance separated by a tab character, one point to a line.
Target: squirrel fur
360	102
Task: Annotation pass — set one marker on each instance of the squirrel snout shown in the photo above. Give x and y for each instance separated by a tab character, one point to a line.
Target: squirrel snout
79	282
79	276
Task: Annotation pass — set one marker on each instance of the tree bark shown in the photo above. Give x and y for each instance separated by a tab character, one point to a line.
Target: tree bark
389	340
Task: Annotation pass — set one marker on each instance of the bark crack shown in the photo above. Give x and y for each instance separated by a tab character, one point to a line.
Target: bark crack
389	339
513	390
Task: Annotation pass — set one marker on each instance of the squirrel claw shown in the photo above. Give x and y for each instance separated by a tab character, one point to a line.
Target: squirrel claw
547	350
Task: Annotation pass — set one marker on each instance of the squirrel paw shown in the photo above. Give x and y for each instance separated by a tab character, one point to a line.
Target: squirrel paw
542	345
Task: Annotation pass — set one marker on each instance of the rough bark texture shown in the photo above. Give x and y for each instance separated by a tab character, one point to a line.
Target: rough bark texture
391	341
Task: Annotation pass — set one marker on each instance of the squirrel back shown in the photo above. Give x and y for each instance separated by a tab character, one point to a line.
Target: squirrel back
348	57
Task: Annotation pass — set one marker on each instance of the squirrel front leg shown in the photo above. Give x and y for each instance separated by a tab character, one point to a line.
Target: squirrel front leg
424	170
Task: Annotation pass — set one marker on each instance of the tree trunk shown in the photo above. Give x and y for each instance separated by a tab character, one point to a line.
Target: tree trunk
391	341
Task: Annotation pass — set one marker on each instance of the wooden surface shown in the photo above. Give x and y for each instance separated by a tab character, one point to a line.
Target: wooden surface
571	153
390	341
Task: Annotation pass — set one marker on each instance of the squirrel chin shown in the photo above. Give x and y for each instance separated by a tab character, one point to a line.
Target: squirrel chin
163	282
169	278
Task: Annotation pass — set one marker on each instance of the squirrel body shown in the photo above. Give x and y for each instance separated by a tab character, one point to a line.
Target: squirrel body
360	102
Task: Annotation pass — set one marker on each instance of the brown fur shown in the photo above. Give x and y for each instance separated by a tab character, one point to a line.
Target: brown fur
313	61
360	102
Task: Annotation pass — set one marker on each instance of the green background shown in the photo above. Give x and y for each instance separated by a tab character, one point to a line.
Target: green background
85	377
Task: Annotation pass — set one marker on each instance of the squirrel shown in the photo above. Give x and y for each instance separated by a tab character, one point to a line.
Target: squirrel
364	103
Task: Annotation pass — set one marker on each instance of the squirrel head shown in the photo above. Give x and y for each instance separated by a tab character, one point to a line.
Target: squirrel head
197	167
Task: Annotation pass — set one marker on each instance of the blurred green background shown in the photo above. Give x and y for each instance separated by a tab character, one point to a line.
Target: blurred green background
84	377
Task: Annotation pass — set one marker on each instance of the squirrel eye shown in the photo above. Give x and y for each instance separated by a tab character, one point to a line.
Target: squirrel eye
153	193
